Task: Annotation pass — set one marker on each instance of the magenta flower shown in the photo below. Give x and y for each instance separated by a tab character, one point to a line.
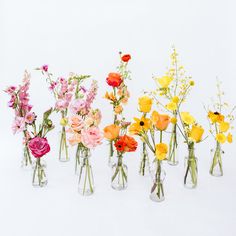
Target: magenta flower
44	68
91	137
39	146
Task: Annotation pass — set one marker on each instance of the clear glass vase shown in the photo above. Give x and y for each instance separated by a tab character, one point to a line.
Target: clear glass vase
86	181
216	165
63	147
191	169
173	145
81	152
157	190
111	155
39	173
26	163
119	179
144	168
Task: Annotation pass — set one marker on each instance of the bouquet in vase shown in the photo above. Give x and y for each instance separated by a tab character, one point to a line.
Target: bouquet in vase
220	128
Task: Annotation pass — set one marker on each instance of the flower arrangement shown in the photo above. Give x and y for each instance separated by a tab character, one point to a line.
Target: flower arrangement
35	141
171	92
63	91
116	133
147	129
119	95
220	124
83	130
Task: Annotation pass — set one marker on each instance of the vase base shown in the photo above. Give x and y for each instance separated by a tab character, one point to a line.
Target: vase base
86	193
44	184
155	198
119	188
64	160
216	174
173	163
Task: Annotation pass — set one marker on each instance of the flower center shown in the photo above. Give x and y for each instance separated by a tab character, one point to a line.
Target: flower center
141	123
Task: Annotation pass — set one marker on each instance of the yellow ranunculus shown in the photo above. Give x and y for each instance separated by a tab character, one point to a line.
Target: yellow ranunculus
164	81
172	106
161	151
224	126
64	121
175	99
173	120
145	104
229	138
221	138
196	133
187	118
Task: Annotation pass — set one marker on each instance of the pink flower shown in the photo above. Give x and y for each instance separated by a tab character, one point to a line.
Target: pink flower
39	146
18	125
61	104
74	139
77	105
53	85
44	68
76	122
91	137
11	103
10	89
94	118
30	117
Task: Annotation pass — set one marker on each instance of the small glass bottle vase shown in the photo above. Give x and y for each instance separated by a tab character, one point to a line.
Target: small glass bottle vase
144	168
86	181
157	190
216	165
39	174
63	146
190	170
173	145
26	163
81	153
111	154
119	179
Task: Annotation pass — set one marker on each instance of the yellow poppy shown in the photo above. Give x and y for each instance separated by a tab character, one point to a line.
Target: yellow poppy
161	151
196	133
187	118
221	138
145	104
224	126
172	106
164	81
175	99
173	120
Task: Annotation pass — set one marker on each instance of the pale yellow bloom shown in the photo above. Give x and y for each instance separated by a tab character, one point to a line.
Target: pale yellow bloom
229	138
161	151
145	104
221	138
172	106
224	126
164	81
187	118
175	99
196	133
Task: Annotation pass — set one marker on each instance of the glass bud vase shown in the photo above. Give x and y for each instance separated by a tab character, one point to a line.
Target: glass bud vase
111	155
216	165
86	181
191	169
157	190
63	146
26	163
119	179
173	145
81	153
144	168
39	174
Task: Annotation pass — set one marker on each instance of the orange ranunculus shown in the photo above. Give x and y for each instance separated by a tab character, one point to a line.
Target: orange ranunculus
160	121
114	79
126	58
111	132
118	109
126	144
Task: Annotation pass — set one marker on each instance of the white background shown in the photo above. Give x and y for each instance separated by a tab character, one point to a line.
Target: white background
85	37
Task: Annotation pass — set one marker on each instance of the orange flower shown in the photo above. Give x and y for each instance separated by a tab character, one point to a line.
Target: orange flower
126	58
111	132
114	79
110	96
126	144
118	109
160	121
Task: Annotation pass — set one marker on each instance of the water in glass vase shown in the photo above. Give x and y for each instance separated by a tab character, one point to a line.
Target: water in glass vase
144	168
26	163
86	181
63	147
216	165
39	174
173	145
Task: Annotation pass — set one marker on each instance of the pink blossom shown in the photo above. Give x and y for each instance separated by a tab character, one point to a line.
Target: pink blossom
61	104
44	68
74	139
30	117
77	105
76	123
91	137
94	118
18	125
10	89
11	103
52	85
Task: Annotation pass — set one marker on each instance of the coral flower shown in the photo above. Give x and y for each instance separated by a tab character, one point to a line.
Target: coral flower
126	144
145	104
118	109
161	122
111	132
126	58
114	79
161	151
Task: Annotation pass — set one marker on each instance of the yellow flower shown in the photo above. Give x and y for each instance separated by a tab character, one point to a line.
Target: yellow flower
191	82
161	151
145	104
140	125
221	138
175	99
229	138
187	118
215	117
196	133
64	121
164	81
173	120
224	126
172	106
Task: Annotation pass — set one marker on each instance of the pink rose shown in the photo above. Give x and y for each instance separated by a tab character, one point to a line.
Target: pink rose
44	68
18	125
39	146
30	117
91	137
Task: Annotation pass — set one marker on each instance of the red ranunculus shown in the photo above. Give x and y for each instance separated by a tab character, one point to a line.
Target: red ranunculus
126	58
39	146
126	144
114	79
